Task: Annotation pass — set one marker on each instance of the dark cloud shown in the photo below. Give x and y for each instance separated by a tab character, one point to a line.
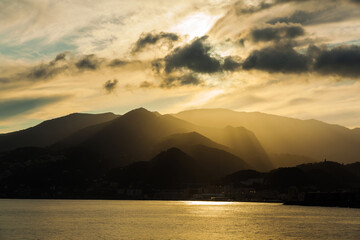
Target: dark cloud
60	57
63	63
175	81
277	59
88	62
153	38
117	63
185	64
5	80
60	65
146	84
45	71
342	60
231	63
242	8
110	85
14	107
327	15
241	42
276	33
301	17
195	56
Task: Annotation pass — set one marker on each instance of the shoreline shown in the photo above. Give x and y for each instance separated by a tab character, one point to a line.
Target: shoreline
285	203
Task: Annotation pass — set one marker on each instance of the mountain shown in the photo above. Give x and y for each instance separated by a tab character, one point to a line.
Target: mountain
322	176
169	169
140	134
126	139
97	155
52	131
186	140
289	160
282	135
243	143
216	163
215	159
174	168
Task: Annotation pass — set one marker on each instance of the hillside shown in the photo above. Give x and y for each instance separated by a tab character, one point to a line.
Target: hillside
282	135
52	131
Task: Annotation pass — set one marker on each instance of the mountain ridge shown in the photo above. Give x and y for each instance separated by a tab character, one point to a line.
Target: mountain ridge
282	135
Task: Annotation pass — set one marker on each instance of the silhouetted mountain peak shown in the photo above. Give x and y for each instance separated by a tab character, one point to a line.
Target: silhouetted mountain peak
77	117
53	130
171	153
140	113
140	110
156	113
186	140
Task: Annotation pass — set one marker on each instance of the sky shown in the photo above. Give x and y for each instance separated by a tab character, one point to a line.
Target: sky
295	58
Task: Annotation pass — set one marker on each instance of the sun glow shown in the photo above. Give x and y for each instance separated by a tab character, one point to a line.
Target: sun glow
195	25
203	97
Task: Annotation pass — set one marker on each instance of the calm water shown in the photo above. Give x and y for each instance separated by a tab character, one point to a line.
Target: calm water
93	219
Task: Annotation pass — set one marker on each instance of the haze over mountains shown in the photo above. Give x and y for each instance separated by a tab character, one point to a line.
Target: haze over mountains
147	149
262	141
282	135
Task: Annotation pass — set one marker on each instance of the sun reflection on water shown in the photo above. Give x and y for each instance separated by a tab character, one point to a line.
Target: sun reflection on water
207	203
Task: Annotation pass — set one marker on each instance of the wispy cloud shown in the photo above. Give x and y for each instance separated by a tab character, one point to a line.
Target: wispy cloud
14	107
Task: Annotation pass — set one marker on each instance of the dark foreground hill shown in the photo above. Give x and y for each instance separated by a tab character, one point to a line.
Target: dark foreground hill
321	176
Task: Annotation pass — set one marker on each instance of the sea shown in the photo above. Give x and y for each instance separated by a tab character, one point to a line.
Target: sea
157	220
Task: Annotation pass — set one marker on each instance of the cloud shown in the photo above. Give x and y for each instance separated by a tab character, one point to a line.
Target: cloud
45	71
195	56
60	64
146	84
341	60
301	17
175	81
185	64
277	59
110	85
60	56
242	7
14	107
153	38
4	80
300	100
117	63
231	63
88	62
333	13
276	33
63	63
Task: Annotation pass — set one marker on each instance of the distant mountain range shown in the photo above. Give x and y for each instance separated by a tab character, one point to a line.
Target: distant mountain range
286	136
143	147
